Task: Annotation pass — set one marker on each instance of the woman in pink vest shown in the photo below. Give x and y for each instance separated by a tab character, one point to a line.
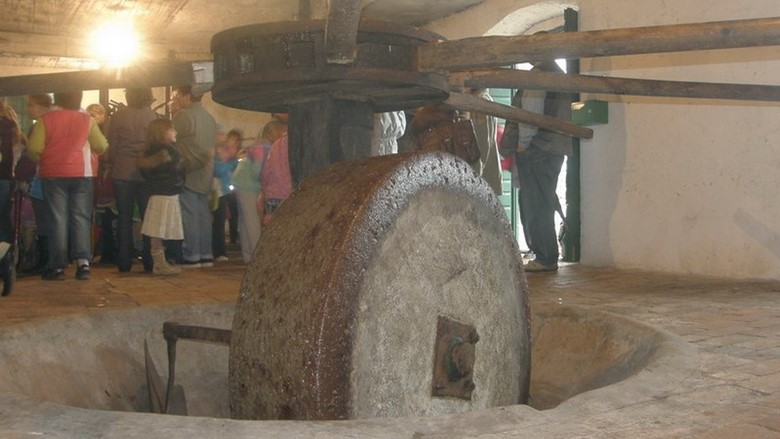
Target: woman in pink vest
66	142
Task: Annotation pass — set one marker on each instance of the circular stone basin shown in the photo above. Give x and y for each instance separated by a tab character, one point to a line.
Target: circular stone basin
84	376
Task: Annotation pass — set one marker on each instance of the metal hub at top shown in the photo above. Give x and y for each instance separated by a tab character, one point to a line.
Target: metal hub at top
271	66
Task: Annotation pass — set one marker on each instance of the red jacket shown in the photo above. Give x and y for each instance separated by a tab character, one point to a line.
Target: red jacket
67	143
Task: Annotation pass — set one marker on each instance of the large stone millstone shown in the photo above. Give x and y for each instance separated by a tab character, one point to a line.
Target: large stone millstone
338	312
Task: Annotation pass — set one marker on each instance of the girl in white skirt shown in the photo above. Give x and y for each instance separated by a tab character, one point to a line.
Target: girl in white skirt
162	167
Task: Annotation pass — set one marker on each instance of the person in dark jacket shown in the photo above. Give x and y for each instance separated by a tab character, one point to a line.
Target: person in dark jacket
162	167
126	137
37	105
11	138
538	155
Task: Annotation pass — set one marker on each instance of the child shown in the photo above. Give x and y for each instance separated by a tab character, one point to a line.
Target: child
246	180
246	183
225	164
162	167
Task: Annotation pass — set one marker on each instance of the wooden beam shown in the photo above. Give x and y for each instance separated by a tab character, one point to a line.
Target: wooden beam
478	105
50	46
341	29
502	51
153	75
11	63
551	81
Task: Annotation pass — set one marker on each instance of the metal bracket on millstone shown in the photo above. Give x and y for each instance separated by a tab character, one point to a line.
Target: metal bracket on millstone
454	359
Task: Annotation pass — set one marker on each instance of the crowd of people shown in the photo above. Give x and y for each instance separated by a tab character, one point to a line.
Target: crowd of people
133	186
163	188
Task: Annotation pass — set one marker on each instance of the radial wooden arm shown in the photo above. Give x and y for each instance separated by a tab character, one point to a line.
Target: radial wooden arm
503	51
478	105
551	81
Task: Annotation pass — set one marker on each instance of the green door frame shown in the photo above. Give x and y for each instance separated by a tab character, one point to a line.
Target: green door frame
570	242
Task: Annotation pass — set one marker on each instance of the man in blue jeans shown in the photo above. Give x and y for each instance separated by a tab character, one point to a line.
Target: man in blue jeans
127	137
196	142
539	155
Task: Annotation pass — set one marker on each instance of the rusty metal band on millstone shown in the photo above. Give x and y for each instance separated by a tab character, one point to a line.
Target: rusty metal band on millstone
337	313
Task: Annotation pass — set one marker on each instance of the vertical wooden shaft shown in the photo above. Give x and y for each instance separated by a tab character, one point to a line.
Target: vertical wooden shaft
341	29
327	131
103	99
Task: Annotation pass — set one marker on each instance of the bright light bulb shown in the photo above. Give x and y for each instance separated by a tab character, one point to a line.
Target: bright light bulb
116	43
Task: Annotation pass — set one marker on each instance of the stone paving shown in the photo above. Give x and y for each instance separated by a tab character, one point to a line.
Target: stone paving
733	327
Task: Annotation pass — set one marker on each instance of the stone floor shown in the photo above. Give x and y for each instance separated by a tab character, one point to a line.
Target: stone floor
734	326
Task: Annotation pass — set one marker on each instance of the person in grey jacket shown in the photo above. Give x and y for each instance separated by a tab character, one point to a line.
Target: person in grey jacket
127	139
196	142
539	154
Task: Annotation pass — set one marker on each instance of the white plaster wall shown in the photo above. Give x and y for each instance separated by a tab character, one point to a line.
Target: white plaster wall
685	186
249	122
500	17
680	185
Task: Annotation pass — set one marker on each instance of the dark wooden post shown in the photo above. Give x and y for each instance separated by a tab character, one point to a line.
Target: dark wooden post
327	131
570	242
103	99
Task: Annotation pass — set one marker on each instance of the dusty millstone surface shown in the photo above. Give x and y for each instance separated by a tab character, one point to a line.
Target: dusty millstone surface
337	313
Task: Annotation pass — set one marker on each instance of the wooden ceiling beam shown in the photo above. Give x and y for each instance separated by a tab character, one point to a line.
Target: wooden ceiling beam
151	75
480	52
37	45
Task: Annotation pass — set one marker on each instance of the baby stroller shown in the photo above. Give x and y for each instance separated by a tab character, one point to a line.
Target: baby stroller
9	251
